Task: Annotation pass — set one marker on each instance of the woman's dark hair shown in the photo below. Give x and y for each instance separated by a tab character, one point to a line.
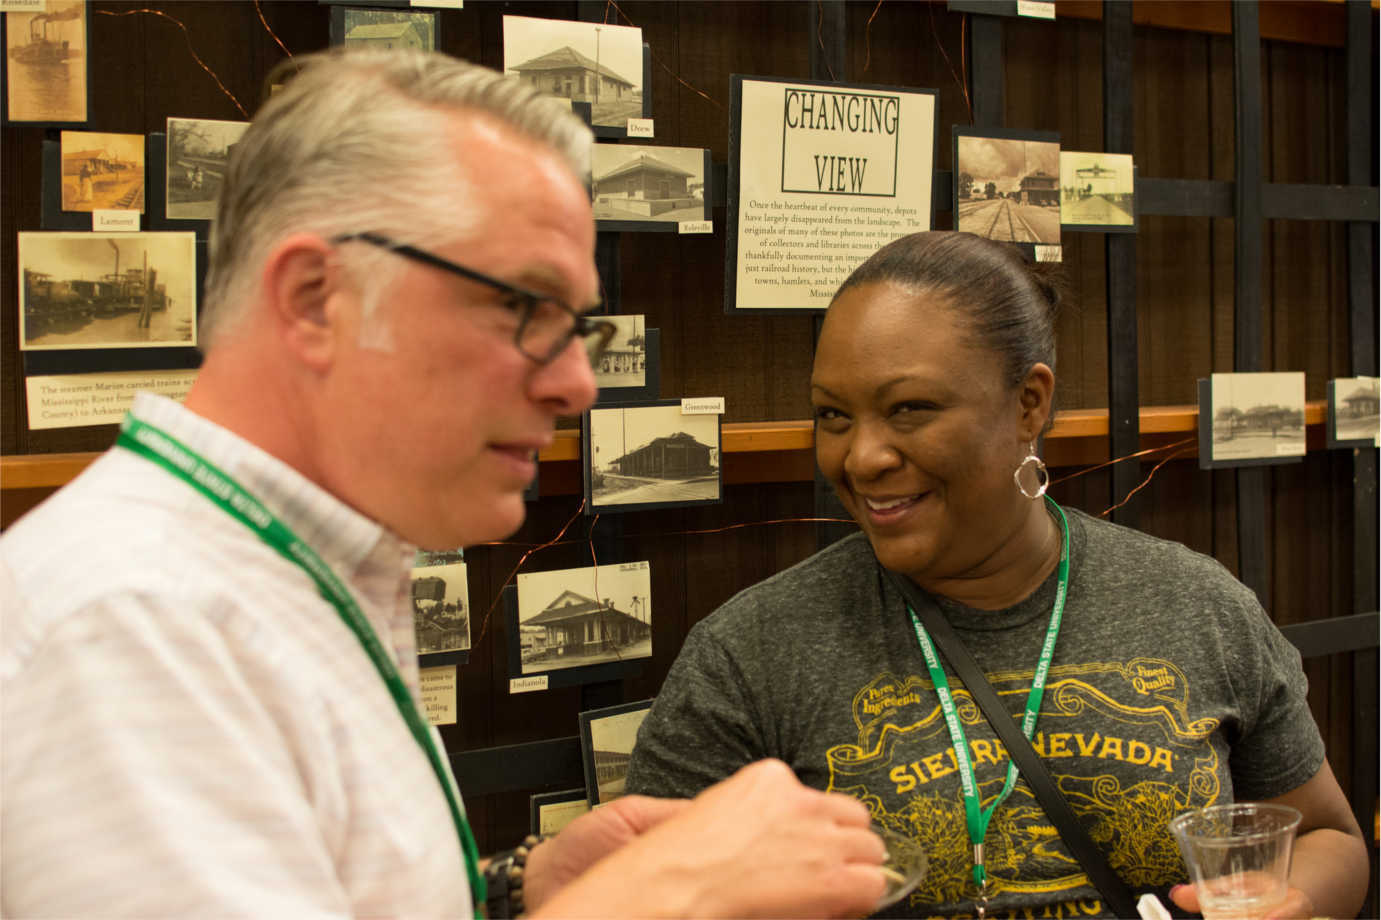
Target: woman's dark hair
1009	304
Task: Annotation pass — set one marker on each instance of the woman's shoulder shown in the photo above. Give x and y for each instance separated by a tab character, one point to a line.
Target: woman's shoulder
1122	557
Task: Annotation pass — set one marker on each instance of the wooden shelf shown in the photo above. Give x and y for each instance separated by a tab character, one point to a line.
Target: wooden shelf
765	451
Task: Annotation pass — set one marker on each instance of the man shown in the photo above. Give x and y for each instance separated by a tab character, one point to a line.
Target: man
199	633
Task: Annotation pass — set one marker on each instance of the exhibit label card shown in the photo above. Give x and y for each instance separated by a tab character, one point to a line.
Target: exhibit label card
826	174
73	400
439	694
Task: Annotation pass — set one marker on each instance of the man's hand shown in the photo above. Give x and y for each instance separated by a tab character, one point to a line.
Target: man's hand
758	844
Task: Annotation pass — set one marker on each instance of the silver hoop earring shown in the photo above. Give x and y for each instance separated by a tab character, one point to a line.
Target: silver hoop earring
1038	467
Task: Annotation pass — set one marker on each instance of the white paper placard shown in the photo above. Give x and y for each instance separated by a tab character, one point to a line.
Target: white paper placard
527	684
115	221
73	400
640	127
703	405
439	694
695	226
23	6
440	4
1048	253
1036	9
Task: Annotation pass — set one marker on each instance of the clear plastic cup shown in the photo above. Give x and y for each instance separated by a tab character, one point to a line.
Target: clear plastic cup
1238	856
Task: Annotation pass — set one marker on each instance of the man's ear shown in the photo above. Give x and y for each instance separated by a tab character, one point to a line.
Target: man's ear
304	284
1036	394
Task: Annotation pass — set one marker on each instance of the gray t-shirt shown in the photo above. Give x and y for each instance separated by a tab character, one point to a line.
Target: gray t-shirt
1170	689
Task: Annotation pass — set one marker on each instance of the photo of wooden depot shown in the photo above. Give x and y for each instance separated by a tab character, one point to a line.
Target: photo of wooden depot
388	29
1357	408
624	362
1258	415
580	61
648	183
591	615
653	454
102	171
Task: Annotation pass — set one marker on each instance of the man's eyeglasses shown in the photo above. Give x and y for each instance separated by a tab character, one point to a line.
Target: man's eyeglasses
545	324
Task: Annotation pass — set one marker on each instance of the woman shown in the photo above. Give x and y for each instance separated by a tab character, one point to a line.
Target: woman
1169	688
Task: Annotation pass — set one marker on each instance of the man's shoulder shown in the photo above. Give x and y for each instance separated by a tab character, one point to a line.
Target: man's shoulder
115	533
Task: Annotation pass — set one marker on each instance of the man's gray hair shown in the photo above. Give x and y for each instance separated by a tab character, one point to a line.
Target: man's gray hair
358	141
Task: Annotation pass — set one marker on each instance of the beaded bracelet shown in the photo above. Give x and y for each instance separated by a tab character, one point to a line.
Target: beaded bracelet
505	875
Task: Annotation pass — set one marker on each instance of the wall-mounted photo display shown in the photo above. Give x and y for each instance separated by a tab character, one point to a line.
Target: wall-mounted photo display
107	290
441	605
1251	419
586	62
820	176
650	454
577	626
198	150
550	812
607	737
102	172
1097	192
638	187
1354	419
357	27
1007	187
624	363
46	64
637	376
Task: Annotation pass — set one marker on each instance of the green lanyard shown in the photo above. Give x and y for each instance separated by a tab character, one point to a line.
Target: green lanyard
161	448
976	816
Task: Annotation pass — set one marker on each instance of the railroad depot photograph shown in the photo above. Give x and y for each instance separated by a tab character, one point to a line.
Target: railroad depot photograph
387	29
1097	190
45	63
624	362
580	61
198	149
607	737
664	184
102	171
107	290
441	607
571	618
1355	408
1008	189
1258	415
652	454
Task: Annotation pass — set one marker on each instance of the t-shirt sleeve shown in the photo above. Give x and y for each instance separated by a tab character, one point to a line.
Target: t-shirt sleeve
1280	747
702	726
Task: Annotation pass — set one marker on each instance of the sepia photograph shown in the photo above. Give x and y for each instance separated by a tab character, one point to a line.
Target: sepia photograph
198	150
607	737
1007	186
373	28
102	171
441	604
550	812
572	618
624	362
650	455
635	183
1097	191
1354	416
107	290
46	63
1257	416
579	61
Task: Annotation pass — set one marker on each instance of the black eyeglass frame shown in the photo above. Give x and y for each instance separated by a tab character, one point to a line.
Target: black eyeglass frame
529	301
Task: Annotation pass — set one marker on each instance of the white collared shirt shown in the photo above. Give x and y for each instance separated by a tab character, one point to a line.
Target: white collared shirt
188	728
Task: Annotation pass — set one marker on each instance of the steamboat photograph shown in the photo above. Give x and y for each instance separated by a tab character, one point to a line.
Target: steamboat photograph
107	290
